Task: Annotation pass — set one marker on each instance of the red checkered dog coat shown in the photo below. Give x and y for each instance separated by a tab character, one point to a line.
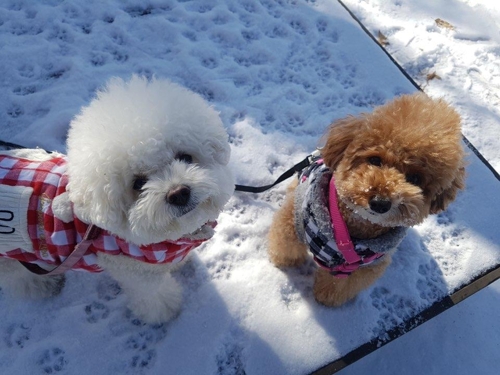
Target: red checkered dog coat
30	232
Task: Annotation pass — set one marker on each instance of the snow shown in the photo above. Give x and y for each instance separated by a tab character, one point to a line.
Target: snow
279	72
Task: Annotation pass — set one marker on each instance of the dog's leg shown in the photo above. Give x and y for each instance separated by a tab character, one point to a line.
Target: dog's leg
285	249
154	295
17	280
333	291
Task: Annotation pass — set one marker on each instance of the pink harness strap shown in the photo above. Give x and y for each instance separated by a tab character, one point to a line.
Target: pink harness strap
341	233
343	239
343	244
80	249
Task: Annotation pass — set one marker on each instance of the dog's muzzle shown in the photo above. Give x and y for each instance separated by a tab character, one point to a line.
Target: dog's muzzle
380	205
181	199
179	196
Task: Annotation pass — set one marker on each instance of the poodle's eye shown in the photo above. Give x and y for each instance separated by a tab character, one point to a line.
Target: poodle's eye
139	183
375	160
414	179
186	158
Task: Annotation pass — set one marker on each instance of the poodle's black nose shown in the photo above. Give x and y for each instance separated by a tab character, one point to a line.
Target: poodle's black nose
179	195
380	205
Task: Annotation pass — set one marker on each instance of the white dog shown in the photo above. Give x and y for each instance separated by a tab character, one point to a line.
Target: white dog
147	164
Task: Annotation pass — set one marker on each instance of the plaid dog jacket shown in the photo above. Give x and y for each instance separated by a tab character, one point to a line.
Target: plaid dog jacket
30	232
314	227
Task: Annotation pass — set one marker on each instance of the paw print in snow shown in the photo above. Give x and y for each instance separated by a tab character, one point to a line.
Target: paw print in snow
140	343
393	310
294	120
25	90
289	296
17	335
52	361
250	35
209	62
26	71
321	25
230	360
222	268
324	28
368	99
329	102
15	111
444	218
143	359
299	26
431	286
96	311
108	290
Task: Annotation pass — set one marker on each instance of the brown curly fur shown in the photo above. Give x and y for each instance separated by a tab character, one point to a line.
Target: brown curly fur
418	143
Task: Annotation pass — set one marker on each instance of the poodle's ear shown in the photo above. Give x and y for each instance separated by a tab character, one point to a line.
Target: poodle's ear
102	200
220	151
340	134
441	201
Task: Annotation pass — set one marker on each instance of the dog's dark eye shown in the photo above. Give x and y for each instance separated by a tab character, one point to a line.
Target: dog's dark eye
139	183
186	158
375	160
414	179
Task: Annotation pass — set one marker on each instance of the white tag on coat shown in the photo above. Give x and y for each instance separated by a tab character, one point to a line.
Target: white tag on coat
14	201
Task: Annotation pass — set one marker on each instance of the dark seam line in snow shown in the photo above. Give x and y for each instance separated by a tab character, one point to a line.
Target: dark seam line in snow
404	72
481	157
463	292
412	81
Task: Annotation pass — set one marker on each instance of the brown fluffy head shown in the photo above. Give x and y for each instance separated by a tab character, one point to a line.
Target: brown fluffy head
400	163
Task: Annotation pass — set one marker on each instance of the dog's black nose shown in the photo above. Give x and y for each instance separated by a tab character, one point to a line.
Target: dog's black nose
380	205
179	196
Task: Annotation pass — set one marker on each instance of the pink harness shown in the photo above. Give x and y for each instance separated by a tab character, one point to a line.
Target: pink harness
343	239
319	224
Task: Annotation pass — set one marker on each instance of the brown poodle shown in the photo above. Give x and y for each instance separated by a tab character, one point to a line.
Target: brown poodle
391	169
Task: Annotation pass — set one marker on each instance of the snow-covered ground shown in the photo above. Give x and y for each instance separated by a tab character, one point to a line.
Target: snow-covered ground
279	72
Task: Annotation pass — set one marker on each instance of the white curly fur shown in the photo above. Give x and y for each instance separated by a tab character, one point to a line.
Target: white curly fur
134	129
137	128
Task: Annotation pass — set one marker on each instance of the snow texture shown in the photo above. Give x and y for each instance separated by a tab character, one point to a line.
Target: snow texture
279	72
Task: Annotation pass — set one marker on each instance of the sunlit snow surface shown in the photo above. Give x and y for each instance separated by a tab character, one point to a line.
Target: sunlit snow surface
279	72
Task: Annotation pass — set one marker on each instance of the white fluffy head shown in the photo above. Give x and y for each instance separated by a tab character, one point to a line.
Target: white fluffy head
147	161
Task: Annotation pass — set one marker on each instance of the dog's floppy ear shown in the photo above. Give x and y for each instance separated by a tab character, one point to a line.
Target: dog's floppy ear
441	201
338	137
220	151
99	199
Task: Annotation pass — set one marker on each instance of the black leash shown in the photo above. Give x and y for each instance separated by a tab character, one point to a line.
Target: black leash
289	173
10	145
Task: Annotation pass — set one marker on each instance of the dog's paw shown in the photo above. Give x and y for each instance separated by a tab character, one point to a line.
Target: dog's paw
282	260
160	313
160	306
62	208
332	291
